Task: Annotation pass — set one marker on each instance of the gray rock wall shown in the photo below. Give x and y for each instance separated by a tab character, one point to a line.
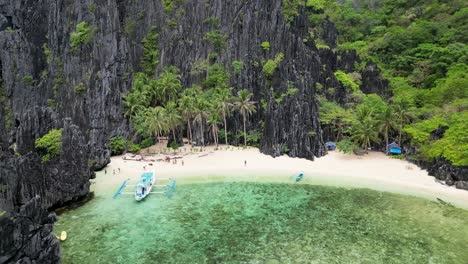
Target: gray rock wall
26	235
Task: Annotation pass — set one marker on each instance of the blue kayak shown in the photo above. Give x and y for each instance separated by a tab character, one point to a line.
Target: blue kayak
299	177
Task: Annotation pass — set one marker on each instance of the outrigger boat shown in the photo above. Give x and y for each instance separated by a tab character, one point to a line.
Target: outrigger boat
145	185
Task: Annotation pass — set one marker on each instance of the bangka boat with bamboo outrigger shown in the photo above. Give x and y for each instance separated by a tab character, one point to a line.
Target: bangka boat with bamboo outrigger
145	185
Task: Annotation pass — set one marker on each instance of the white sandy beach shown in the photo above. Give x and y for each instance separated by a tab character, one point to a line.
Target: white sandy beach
375	171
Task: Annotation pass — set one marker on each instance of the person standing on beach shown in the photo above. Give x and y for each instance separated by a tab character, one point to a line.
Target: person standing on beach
182	162
245	163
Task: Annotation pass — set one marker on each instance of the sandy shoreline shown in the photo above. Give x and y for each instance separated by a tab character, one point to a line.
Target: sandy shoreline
374	171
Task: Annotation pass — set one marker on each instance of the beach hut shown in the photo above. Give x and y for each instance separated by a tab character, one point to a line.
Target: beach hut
394	148
330	145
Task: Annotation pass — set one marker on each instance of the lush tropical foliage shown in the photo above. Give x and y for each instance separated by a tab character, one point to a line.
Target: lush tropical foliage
158	104
420	46
50	144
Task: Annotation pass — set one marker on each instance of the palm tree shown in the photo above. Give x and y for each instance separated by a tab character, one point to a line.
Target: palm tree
245	107
156	121
173	117
201	112
363	112
186	109
140	123
132	103
364	132
402	116
143	88
168	85
224	105
387	122
213	121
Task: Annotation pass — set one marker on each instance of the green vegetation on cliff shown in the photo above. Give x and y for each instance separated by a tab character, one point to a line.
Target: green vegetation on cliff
82	35
50	144
118	145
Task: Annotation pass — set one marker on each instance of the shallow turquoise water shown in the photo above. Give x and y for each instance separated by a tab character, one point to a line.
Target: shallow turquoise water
240	222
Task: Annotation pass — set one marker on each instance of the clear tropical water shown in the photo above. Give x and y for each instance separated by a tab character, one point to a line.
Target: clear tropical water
241	222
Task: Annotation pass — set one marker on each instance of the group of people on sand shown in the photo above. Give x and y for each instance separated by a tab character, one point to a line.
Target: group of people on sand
113	171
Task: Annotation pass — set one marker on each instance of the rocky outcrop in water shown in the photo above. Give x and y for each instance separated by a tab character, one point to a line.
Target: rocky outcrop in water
445	171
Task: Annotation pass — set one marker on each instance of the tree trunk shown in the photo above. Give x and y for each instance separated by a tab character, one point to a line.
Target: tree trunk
245	134
225	128
202	134
173	135
399	134
338	134
386	140
189	132
215	135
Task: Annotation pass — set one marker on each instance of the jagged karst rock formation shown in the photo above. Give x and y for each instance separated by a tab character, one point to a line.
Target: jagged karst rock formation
26	235
373	81
48	83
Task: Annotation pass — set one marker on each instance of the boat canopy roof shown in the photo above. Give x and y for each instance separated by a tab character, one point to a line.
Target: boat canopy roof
145	177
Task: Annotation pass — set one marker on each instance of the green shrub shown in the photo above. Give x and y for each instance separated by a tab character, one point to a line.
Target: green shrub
118	144
92	8
168	5
270	66
213	22
321	44
217	77
134	148
147	142
265	46
47	52
50	144
173	145
316	4
129	26
347	146
290	9
346	80
28	80
80	89
217	39
212	56
222	137
237	66
82	35
253	137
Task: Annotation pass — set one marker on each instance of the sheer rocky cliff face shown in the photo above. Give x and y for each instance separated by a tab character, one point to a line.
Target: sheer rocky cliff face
47	84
